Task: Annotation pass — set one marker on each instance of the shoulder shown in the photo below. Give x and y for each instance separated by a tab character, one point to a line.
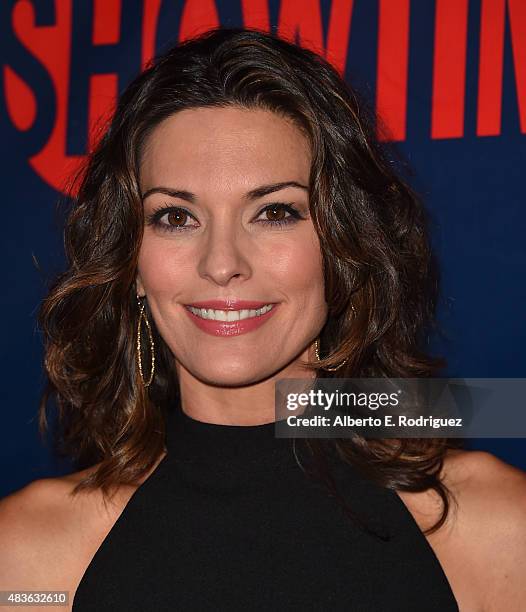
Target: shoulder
482	545
37	505
492	521
27	535
46	532
48	535
484	489
489	491
42	505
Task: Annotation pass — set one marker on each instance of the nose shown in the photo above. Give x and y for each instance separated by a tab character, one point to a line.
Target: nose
224	255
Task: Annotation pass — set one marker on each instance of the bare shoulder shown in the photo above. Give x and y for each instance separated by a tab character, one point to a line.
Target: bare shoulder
490	492
481	484
492	515
482	546
481	465
48	535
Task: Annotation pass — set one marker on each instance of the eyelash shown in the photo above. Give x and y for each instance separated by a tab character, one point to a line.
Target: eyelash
155	217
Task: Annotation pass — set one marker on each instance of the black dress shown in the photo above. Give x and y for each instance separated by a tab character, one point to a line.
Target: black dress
229	521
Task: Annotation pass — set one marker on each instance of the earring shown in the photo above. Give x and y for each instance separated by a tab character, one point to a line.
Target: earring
317	349
142	316
317	353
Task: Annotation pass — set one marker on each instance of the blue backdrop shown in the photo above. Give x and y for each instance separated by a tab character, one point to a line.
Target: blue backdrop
447	76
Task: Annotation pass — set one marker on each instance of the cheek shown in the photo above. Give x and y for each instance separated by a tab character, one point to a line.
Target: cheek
298	266
162	266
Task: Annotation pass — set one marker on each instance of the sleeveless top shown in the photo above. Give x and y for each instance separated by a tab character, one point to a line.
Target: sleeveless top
228	520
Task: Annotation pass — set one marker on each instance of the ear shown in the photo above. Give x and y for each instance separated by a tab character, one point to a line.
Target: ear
139	286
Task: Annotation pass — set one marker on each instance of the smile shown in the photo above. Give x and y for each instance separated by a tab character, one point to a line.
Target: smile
217	322
229	315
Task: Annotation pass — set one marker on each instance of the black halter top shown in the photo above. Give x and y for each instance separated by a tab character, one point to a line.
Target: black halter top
228	520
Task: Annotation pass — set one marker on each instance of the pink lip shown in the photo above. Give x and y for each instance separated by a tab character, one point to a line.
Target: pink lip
231	304
230	328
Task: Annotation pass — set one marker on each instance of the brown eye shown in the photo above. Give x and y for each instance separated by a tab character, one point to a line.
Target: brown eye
176	218
279	215
170	219
275	213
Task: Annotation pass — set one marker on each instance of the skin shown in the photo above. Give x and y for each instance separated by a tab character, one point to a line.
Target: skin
48	537
226	250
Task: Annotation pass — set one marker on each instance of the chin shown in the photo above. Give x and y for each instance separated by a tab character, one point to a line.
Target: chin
233	376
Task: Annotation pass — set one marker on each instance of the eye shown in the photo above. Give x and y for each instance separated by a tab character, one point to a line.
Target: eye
174	218
278	213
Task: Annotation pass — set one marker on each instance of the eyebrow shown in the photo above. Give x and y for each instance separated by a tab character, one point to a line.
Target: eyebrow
253	194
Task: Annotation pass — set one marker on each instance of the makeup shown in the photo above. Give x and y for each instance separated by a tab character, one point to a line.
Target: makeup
219	325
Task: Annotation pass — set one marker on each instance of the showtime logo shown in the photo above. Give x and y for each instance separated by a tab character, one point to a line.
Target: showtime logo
66	60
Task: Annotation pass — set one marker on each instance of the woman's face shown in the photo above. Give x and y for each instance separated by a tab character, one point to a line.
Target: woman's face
227	220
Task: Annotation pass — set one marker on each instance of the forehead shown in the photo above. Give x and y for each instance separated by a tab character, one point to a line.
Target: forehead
226	147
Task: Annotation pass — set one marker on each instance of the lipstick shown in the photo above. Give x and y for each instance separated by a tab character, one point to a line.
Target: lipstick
230	304
235	317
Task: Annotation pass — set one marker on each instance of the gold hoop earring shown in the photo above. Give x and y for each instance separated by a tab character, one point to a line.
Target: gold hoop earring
317	350
142	316
317	353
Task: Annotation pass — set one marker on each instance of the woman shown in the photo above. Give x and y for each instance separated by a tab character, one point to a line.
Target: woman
236	225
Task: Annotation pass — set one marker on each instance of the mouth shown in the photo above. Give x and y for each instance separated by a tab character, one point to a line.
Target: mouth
230	315
241	318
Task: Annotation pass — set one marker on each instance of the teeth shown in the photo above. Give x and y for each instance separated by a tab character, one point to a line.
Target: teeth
229	315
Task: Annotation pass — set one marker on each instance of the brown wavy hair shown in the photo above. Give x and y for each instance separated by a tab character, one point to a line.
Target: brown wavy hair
373	236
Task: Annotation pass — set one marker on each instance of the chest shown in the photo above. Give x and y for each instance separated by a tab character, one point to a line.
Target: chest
288	548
